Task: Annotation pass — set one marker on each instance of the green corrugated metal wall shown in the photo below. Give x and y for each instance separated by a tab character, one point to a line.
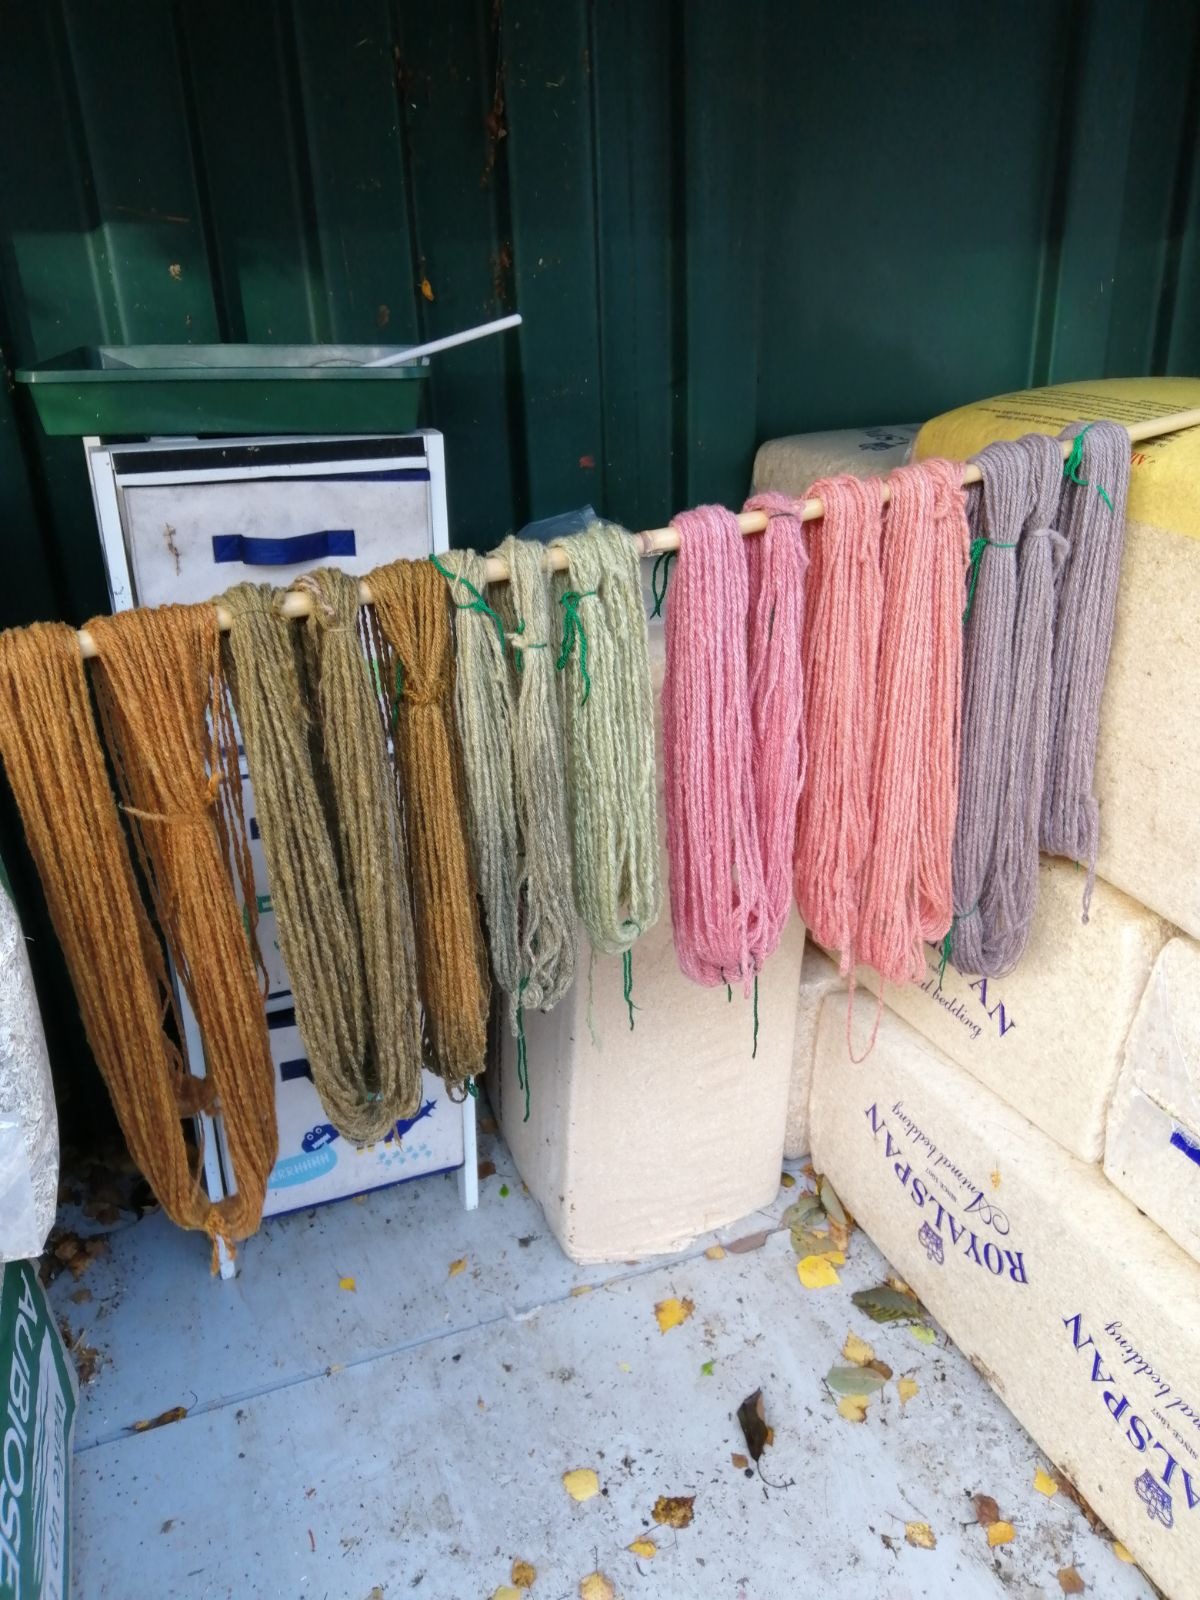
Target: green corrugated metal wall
721	220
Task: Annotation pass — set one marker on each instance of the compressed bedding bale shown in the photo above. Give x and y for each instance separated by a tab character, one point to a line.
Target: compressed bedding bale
28	1119
643	1139
1048	1037
790	465
818	977
1077	1310
1148	759
1152	1149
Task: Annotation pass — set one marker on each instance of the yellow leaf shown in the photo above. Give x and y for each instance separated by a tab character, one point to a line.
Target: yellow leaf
921	1535
853	1407
458	1266
786	1181
893	1282
715	1252
857	1350
644	1548
995	1177
816	1272
427	288
581	1483
907	1387
923	1333
580	1288
673	1510
524	1575
1044	1483
507	1592
348	1284
596	1587
1000	1533
671	1313
624	1366
1121	1553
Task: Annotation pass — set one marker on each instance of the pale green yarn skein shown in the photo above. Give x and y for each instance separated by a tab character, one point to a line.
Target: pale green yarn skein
608	705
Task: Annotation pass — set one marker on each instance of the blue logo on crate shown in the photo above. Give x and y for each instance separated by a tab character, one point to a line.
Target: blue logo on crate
1155	1498
291	1170
325	1133
932	1240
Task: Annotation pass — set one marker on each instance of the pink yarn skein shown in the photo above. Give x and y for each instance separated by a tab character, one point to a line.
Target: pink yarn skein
717	892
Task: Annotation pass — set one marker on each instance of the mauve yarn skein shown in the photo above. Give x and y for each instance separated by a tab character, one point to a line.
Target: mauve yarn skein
1092	518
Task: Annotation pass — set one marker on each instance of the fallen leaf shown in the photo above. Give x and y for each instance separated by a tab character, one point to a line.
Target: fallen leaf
674	1511
893	1282
995	1178
426	289
524	1574
752	1420
1121	1553
348	1284
1070	1492
457	1266
504	1191
706	1367
803	1213
596	1587
854	1380
1069	1581
580	1288
1000	1533
816	1272
921	1535
624	1366
749	1241
830	1204
715	1252
671	1313
507	1592
487	1169
581	1483
1044	1483
812	1241
175	1414
881	1367
839	1234
857	1350
786	1181
888	1304
923	1333
985	1508
907	1387
646	1548
740	1461
854	1407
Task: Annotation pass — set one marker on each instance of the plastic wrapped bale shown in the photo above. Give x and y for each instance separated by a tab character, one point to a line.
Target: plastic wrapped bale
1078	1310
1152	1152
790	465
1048	1037
638	1141
819	977
28	1119
1148	758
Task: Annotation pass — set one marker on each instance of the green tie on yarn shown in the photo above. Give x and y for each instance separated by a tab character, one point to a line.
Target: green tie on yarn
978	546
1073	465
574	633
477	604
659	575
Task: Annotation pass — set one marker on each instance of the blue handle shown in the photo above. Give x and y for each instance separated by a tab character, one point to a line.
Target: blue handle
283	552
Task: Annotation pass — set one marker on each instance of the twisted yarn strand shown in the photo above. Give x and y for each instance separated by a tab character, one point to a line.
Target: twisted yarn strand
608	705
360	794
413	611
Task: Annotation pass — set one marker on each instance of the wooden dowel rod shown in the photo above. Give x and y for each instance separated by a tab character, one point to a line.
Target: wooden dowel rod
654	541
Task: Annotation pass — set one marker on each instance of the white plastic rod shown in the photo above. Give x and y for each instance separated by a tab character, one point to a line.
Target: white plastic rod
654	541
433	346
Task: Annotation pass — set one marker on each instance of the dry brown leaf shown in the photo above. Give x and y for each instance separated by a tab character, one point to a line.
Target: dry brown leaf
487	1169
581	1483
645	1548
596	1587
986	1509
1069	1581
175	1414
671	1313
457	1266
740	1461
881	1367
1071	1493
756	1430
921	1535
1000	1533
674	1510
857	1351
853	1407
839	1234
750	1241
524	1574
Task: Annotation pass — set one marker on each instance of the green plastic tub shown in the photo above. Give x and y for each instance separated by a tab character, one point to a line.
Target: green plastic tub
225	389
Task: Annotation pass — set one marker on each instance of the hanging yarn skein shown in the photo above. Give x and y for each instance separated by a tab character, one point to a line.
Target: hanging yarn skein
316	939
1092	519
547	921
914	775
413	612
609	722
843	606
1011	887
360	800
485	718
716	881
169	730
999	511
777	563
56	768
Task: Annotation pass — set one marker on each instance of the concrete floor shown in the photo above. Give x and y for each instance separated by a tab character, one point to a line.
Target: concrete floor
407	1434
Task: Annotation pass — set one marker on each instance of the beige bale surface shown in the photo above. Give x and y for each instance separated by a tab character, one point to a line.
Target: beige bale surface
1078	1311
819	977
790	465
1148	758
638	1140
1152	1150
1048	1037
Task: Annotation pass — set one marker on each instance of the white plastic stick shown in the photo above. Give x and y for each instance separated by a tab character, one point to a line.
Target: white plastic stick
432	346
